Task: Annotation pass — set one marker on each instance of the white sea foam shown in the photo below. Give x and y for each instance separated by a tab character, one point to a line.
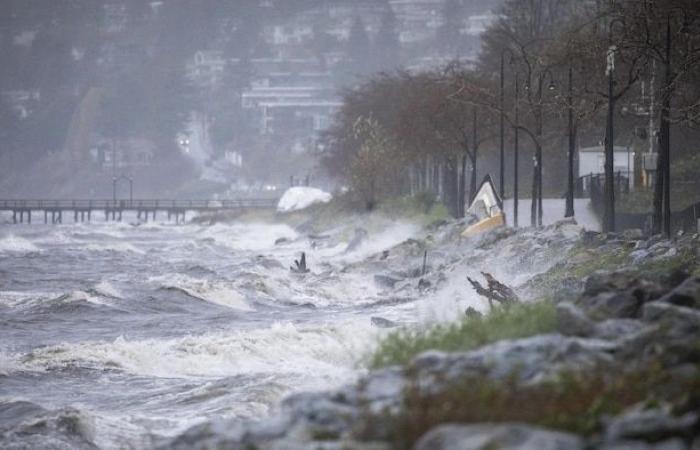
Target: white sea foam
107	289
8	363
378	242
251	237
115	247
16	244
323	351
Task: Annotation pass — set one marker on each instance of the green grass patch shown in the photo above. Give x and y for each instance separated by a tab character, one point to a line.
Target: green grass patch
516	321
574	402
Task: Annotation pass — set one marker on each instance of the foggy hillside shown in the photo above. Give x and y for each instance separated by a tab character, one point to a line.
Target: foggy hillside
196	98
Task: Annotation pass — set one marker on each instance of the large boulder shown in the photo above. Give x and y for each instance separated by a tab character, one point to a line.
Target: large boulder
617	295
571	321
650	425
670	336
507	436
686	294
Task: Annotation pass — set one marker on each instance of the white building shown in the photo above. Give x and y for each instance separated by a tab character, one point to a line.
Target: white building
207	68
592	162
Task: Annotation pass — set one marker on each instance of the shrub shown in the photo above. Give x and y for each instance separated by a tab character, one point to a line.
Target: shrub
516	321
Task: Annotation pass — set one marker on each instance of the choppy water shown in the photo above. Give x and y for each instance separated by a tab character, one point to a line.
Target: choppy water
120	336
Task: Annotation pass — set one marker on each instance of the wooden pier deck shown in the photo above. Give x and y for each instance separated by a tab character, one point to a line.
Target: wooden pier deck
83	210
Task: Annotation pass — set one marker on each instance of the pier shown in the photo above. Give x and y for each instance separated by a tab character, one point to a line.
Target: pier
54	211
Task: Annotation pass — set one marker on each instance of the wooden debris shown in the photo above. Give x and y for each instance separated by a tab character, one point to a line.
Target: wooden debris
495	291
300	265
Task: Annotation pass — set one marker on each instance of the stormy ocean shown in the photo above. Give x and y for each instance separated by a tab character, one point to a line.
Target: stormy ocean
122	336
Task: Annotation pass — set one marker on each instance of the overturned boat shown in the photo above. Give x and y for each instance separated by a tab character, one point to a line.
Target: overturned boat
487	206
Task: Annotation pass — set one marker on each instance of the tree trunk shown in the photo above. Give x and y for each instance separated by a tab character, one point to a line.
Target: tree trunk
534	196
473	180
463	187
451	186
662	191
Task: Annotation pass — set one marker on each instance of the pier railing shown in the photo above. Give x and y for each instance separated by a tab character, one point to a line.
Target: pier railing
140	204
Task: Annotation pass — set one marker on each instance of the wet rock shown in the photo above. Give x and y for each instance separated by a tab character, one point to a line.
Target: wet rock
632	234
650	425
531	359
502	436
616	295
343	444
383	323
491	237
614	329
387	281
687	294
639	255
282	240
231	434
670	444
473	313
660	248
610	305
679	317
571	321
320	413
424	284
670	337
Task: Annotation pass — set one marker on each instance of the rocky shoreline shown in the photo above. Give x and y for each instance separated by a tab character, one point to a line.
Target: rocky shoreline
620	371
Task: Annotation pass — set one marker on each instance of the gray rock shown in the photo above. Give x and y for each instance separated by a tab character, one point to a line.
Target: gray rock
571	321
531	359
678	317
632	234
606	305
387	281
640	255
615	329
670	444
501	436
670	253
686	294
343	444
617	295
660	248
383	323
669	337
650	425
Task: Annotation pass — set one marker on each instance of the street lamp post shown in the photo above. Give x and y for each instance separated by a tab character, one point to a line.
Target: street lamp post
516	150
572	148
502	153
609	188
537	190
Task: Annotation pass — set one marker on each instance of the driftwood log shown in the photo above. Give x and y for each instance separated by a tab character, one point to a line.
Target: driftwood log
300	265
495	291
